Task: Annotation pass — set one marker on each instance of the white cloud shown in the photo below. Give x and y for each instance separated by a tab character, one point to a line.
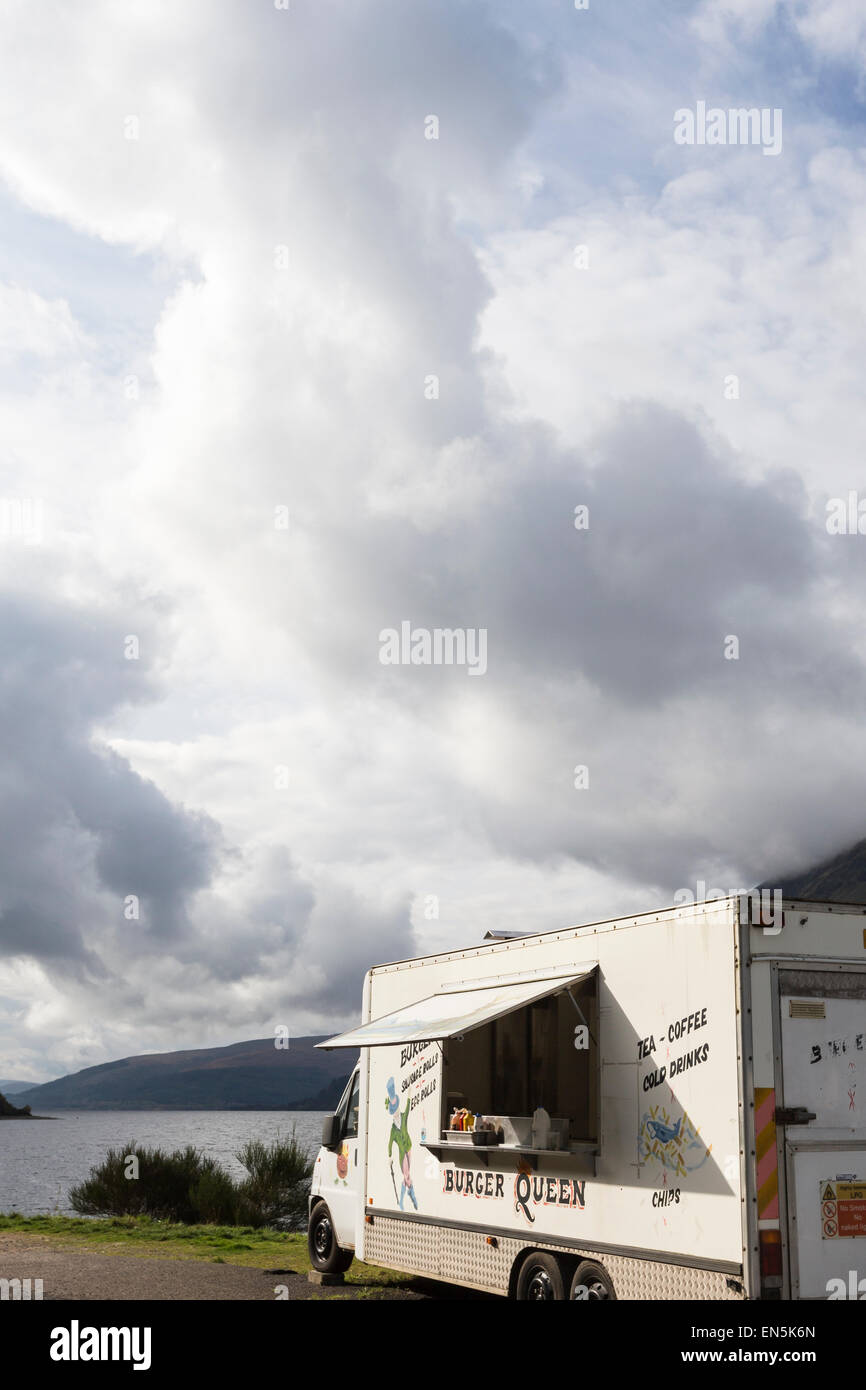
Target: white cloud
835	28
303	385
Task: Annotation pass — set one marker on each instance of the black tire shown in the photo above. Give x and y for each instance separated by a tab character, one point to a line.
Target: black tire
591	1284
540	1279
325	1254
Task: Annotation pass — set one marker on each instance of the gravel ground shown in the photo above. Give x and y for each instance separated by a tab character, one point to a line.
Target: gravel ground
77	1275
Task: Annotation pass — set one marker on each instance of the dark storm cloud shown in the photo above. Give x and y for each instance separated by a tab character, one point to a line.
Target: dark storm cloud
607	647
680	553
79	830
345	937
146	846
54	939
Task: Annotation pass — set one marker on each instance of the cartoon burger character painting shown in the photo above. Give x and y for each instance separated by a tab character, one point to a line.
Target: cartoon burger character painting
343	1163
400	1136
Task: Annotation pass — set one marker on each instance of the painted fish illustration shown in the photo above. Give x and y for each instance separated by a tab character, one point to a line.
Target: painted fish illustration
666	1134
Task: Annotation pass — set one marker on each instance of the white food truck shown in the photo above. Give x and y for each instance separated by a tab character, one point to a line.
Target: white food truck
671	1105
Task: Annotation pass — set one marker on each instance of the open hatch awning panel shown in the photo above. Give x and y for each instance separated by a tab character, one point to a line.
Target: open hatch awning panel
453	1012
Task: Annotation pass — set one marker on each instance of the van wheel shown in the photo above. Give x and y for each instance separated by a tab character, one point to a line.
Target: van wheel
540	1279
325	1253
591	1283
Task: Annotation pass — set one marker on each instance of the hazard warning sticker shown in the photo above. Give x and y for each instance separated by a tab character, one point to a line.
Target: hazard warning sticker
843	1208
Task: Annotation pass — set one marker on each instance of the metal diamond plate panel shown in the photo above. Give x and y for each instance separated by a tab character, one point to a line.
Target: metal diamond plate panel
466	1257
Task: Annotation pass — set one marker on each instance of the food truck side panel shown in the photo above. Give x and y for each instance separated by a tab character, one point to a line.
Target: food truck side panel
808	987
666	1180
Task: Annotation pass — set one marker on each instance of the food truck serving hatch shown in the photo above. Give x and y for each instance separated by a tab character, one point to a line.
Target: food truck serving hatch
455	1011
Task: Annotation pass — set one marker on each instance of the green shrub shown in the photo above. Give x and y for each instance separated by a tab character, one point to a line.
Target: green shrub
279	1180
163	1188
214	1198
188	1187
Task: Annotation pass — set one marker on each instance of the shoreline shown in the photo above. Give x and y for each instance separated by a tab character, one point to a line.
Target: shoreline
29	1117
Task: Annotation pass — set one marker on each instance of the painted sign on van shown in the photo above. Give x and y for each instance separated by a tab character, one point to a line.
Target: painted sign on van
674	1143
530	1190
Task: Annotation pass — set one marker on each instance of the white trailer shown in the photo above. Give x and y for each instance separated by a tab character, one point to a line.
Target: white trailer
704	1068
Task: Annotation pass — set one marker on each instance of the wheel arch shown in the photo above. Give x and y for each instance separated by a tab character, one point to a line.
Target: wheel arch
592	1263
568	1263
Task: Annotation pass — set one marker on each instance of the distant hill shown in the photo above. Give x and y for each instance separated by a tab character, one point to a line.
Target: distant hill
245	1076
9	1088
841	879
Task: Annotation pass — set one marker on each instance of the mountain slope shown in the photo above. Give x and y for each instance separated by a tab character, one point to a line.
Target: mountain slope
841	879
251	1075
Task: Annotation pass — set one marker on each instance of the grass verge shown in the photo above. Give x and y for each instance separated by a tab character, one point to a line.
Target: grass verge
164	1240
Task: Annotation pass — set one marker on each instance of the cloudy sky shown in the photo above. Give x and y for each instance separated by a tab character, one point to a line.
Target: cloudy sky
319	320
